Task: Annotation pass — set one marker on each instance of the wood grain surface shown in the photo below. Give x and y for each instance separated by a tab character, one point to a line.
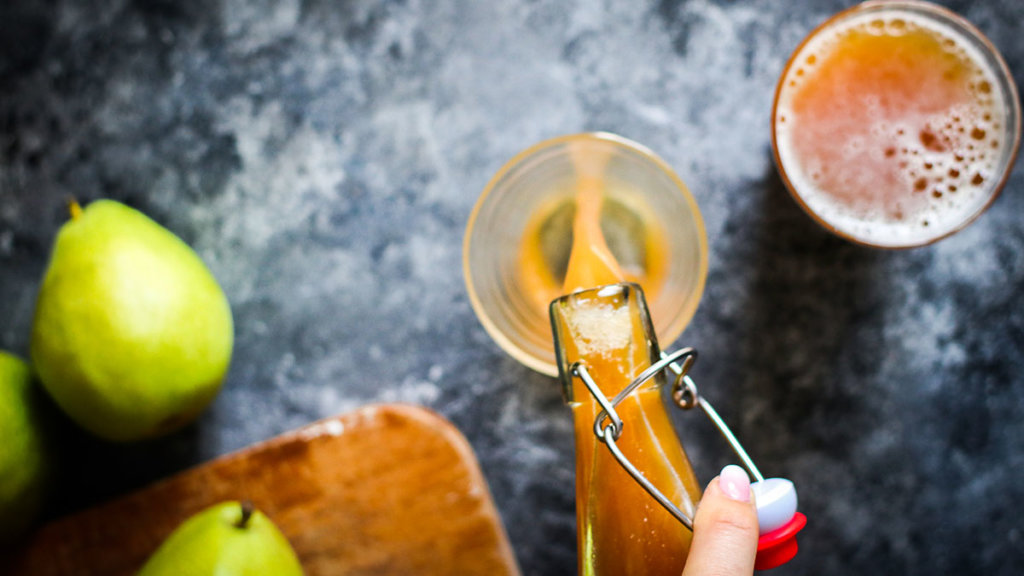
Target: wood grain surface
386	489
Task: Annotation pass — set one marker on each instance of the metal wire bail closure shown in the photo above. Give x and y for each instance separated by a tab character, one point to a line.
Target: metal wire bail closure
608	426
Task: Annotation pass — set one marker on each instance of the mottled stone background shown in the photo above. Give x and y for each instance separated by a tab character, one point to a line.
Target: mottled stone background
323	157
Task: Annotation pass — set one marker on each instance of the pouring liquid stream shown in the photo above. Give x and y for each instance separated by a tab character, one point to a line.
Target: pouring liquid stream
599	228
591	262
621	529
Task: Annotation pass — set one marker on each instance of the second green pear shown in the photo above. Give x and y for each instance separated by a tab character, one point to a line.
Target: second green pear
132	335
229	539
23	459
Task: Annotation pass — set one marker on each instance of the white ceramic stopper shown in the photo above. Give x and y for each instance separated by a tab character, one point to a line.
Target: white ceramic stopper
776	503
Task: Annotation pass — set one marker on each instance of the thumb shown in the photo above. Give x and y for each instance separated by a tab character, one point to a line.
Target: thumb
725	528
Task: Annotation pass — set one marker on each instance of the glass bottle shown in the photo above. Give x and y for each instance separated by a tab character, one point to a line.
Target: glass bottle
621	528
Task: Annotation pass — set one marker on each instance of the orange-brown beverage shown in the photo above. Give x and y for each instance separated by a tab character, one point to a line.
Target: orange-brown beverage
895	123
621	528
566	216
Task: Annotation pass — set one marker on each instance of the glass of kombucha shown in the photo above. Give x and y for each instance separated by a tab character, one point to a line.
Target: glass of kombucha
895	123
520	235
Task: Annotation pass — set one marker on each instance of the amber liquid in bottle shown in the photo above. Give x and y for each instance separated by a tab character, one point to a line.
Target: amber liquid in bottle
621	529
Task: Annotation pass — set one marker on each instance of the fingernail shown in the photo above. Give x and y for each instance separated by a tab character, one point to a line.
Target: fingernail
735	483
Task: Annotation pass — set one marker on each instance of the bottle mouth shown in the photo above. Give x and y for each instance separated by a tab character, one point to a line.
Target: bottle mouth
598	320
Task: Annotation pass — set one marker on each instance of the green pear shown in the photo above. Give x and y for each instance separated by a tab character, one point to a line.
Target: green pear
22	451
228	539
132	335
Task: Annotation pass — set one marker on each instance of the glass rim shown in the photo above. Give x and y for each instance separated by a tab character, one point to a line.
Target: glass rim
963	27
506	342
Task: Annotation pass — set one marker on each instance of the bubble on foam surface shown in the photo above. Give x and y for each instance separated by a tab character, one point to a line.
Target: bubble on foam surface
946	162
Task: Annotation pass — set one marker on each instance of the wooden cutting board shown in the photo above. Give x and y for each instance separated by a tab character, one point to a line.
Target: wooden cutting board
387	489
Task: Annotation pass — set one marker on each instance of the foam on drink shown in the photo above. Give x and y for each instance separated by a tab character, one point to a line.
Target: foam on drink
891	128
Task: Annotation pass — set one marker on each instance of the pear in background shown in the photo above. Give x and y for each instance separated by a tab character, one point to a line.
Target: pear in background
132	335
22	450
228	539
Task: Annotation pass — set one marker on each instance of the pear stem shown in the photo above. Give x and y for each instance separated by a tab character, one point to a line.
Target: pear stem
247	510
74	208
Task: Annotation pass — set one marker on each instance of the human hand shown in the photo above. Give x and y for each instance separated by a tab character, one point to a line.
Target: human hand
725	528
